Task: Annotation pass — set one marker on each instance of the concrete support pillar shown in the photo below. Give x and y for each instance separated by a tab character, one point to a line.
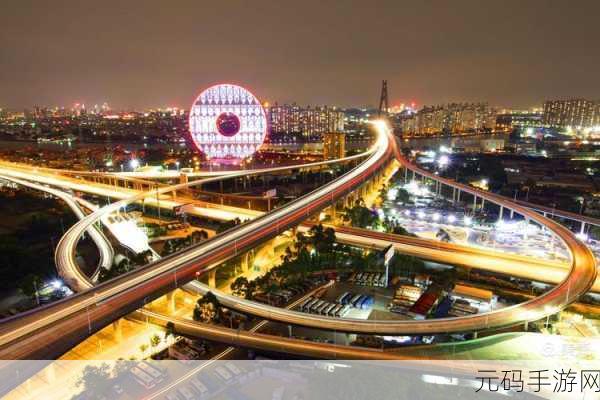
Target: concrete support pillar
405	175
458	196
117	330
183	178
512	214
271	248
453	195
474	203
212	278
501	212
245	262
171	301
482	204
582	228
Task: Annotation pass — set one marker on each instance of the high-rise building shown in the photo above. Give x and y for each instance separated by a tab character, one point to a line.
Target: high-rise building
575	113
507	121
310	122
450	118
334	145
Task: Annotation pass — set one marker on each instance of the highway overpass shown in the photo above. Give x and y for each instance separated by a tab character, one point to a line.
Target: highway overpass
49	331
22	337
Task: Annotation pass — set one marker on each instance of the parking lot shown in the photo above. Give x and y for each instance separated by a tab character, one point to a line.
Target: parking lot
381	296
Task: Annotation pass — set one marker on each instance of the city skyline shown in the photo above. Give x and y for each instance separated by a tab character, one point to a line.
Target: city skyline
511	55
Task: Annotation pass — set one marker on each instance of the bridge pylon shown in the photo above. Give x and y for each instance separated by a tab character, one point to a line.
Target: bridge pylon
383	100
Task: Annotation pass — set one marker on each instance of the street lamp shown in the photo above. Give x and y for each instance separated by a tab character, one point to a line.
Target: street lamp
177	164
443	161
581	200
134	163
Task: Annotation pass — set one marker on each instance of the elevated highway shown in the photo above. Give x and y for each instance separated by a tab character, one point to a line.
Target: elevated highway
49	331
436	251
514	265
466	256
35	334
105	250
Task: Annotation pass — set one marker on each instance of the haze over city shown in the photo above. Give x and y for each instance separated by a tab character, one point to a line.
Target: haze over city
141	54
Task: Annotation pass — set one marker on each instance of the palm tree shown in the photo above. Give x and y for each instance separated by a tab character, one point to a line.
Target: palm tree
143	347
239	287
154	340
207	308
170	330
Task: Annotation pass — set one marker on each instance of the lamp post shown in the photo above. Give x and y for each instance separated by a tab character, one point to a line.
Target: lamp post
157	200
37	295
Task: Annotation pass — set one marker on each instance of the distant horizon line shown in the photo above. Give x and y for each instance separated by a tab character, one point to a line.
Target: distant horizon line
363	107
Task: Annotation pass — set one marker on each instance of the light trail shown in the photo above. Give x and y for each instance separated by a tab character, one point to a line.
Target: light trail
141	283
221	355
133	286
105	249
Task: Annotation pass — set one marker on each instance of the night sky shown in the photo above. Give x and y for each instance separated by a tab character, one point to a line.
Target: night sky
136	54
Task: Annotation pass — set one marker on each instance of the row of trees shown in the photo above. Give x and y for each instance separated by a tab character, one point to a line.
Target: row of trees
315	251
360	216
174	245
122	265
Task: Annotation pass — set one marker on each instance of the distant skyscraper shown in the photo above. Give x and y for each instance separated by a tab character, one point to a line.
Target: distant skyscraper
576	113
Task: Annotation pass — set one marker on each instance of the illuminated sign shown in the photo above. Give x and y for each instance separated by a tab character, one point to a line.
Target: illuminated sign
227	122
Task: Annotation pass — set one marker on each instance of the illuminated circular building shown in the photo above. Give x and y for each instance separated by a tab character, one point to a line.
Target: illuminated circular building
227	122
